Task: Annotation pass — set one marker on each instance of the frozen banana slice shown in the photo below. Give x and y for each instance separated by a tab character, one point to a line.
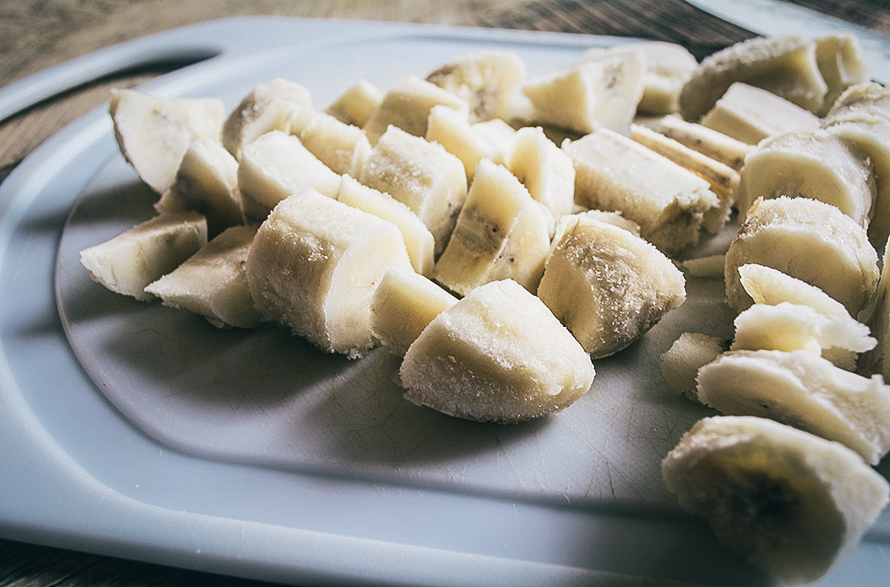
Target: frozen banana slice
207	182
403	305
422	175
419	240
487	80
500	134
341	147
356	105
750	114
689	353
607	285
407	106
842	65
132	260
787	501
668	67
803	390
314	266
877	360
784	65
269	106
497	355
501	233
616	173
277	165
451	129
213	281
809	240
594	93
858	99
154	133
707	141
812	164
723	179
545	170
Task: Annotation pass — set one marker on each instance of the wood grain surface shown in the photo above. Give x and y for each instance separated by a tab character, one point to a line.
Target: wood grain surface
36	34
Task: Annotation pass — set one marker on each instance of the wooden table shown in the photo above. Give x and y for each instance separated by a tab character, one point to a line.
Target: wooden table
35	34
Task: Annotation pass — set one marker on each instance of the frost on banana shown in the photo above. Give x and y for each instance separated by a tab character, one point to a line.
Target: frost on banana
606	285
784	65
154	133
356	105
689	353
213	281
422	175
501	233
809	240
787	501
314	266
487	80
615	173
127	263
497	355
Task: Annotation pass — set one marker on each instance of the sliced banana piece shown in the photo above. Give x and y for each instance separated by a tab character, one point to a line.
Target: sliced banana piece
809	240
451	129
341	147
785	65
877	360
501	233
789	502
213	281
269	106
803	390
487	80
809	164
403	305
607	285
689	353
500	134
154	133
616	173
497	355
668	67
707	141
750	114
314	266
127	263
842	65
356	105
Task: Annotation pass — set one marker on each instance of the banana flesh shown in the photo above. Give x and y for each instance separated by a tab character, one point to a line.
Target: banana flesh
451	129
809	240
497	355
608	286
877	360
314	265
212	282
818	165
689	353
709	142
356	105
403	305
784	65
130	261
841	64
341	147
789	502
154	133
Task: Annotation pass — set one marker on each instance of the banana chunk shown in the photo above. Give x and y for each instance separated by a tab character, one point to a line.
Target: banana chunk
277	165
127	263
341	147
841	64
668	67
785	65
812	164
877	360
594	93
314	266
500	134
789	502
487	80
707	141
213	281
422	175
269	106
501	233
451	129
809	240
801	389
689	353
615	173
403	305
356	105
608	286
497	355
750	114
154	133
207	182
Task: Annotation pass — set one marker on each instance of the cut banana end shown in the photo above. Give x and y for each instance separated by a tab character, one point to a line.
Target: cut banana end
787	501
356	105
451	129
154	133
707	141
842	65
341	147
689	353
